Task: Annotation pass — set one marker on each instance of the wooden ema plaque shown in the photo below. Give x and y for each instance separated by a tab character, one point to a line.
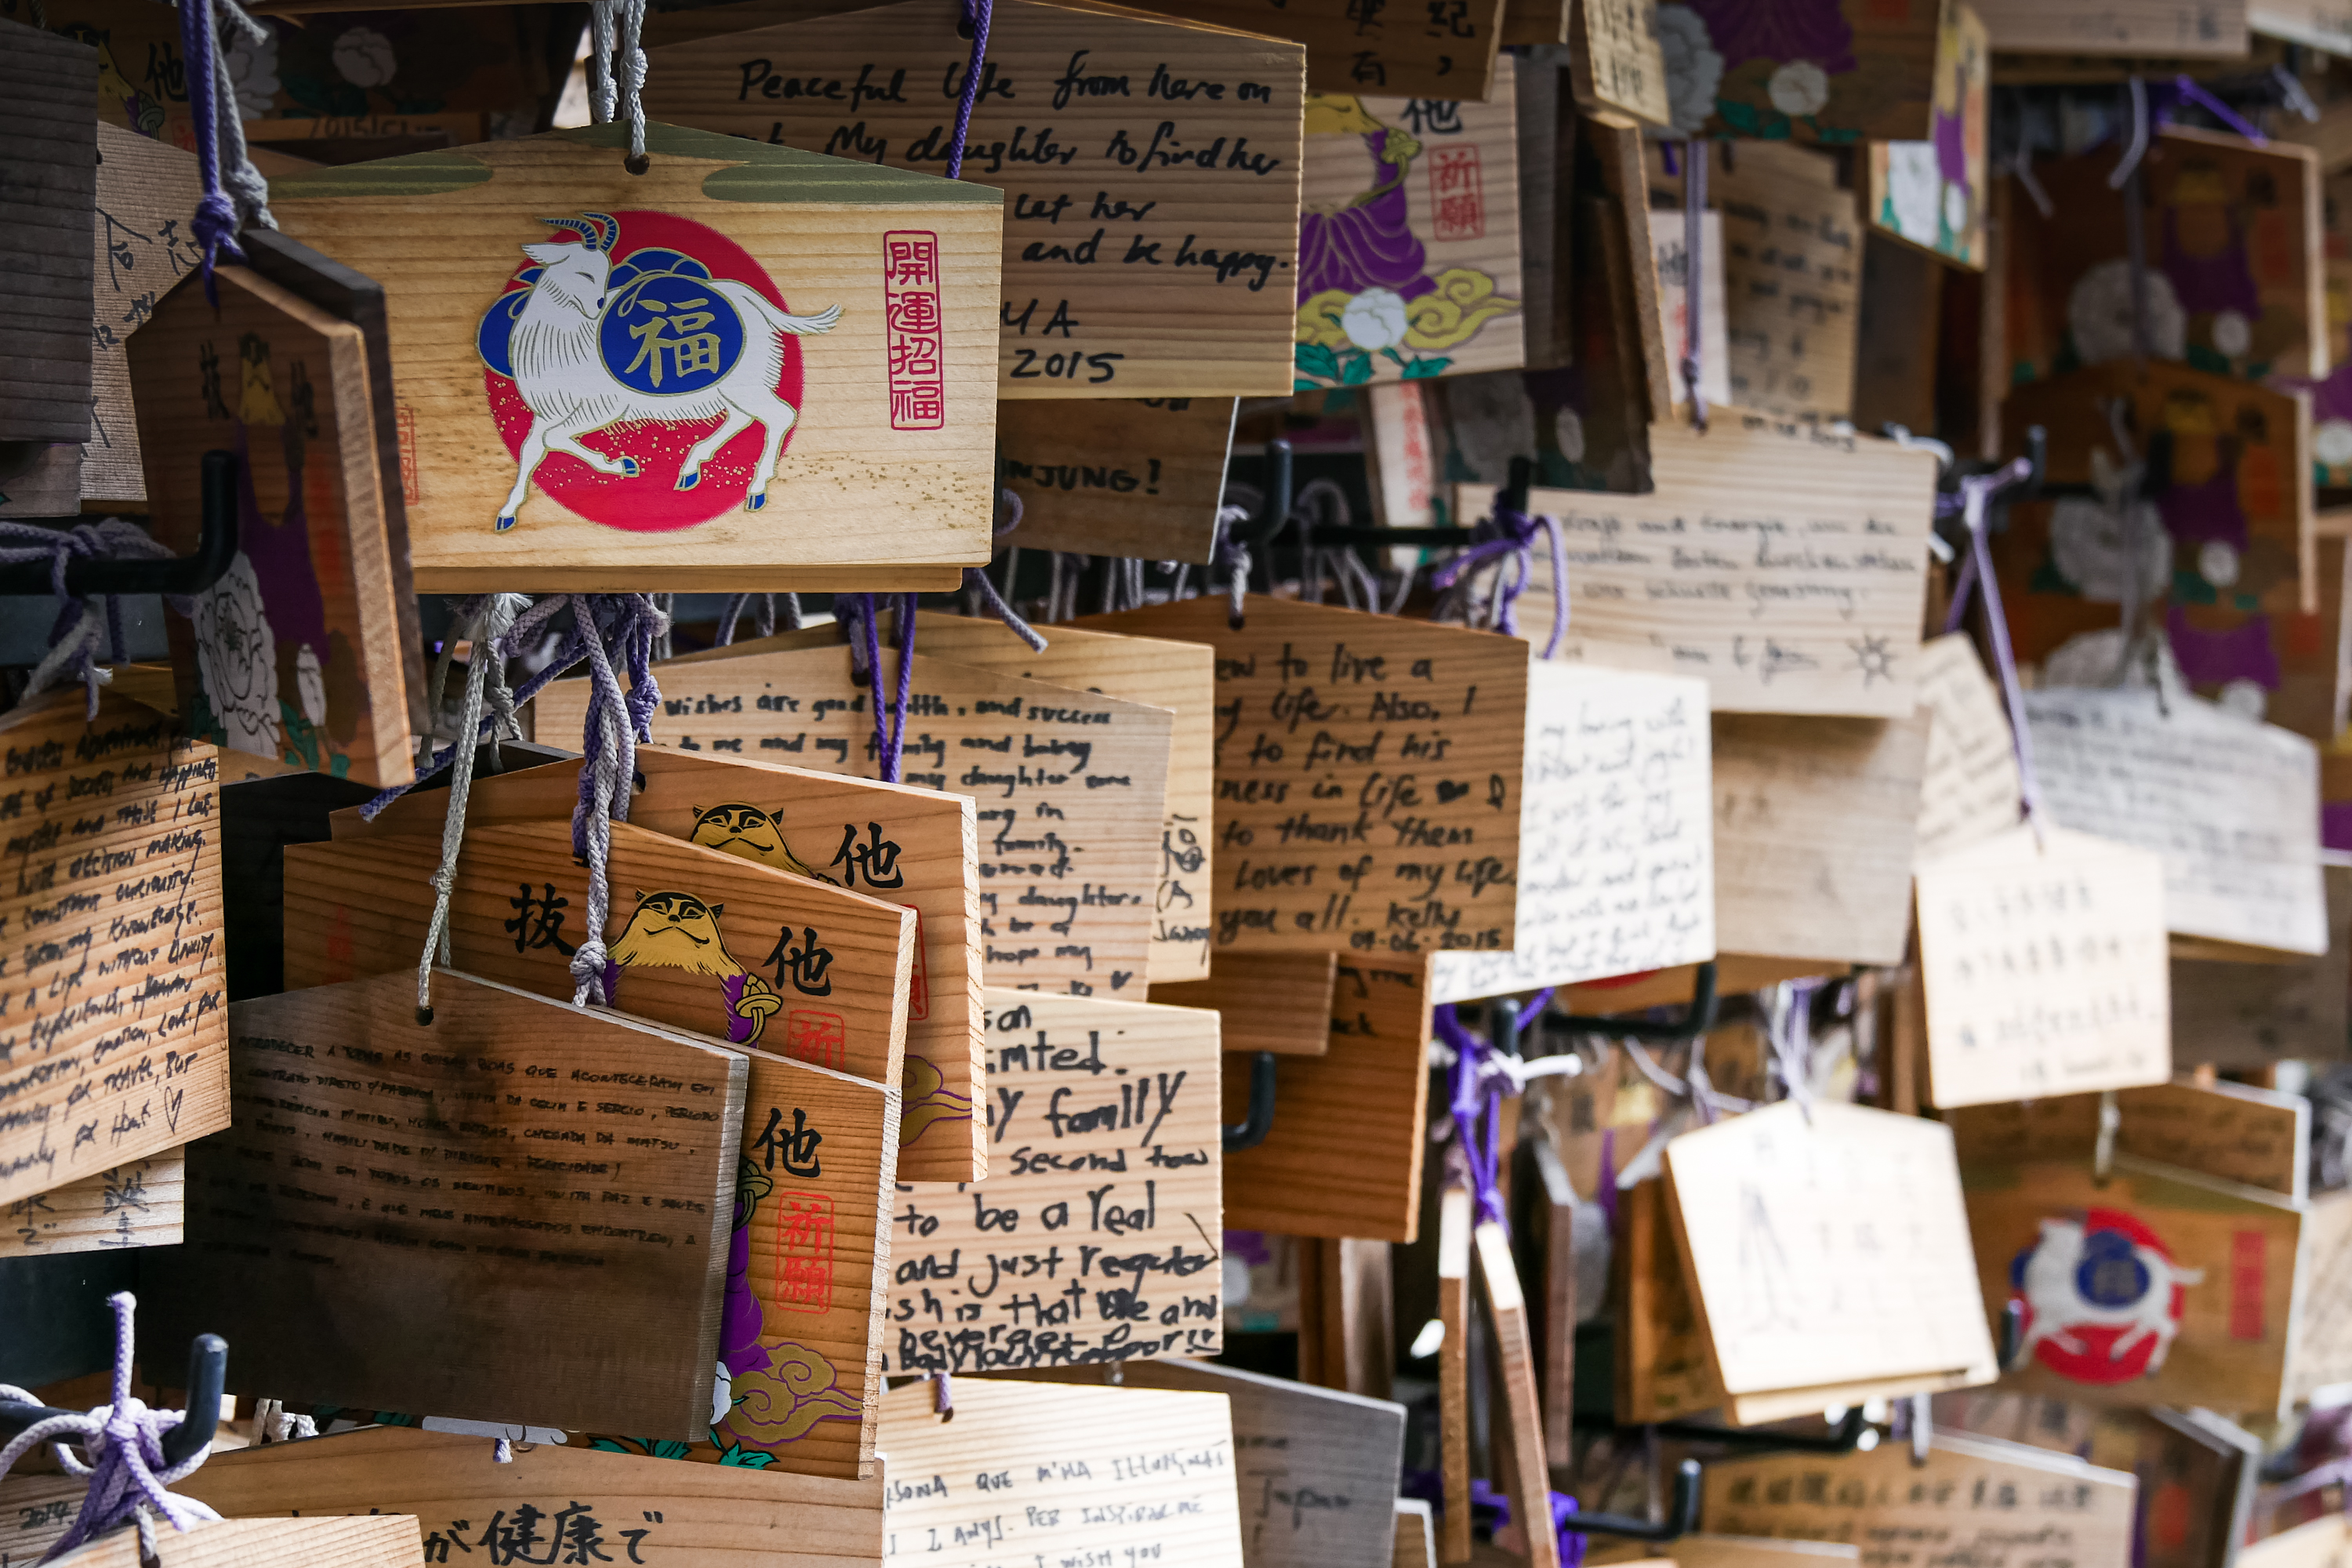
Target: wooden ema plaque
2231	805
1791	282
2230	1015
621	1506
1937	194
2194	31
1161	265
1316	1469
296	654
1827	1247
1663	1371
2046	967
2256	1137
1823	808
894	843
48	84
1177	675
144	241
1409	260
684	933
140	1203
1065	842
1971	791
746	325
2003	1505
1096	1238
1368	797
1062	1473
1114	477
2208	1277
1277	1001
1616	853
1617	62
1449	53
1857	70
1344	1158
1783	563
113	1023
424	1187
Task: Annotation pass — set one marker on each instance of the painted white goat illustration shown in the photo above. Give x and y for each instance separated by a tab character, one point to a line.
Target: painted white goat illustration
2052	1288
564	378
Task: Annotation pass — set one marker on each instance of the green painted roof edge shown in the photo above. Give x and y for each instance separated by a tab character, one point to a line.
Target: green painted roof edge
757	172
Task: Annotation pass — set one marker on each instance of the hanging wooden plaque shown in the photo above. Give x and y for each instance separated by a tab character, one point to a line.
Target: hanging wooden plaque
2003	1504
1113	476
1670	254
2231	806
627	1507
841	310
1401	458
1792	281
295	652
2255	1136
684	933
1857	70
1369	776
895	844
1618	61
1827	1247
2044	957
379	1541
1103	1123
425	1186
2195	1282
144	242
1054	1471
1277	1001
140	1203
2185	28
1971	791
115	1026
48	84
1068	844
2252	1015
1344	1156
1408	239
1807	604
1616	870
1936	194
1160	266
1814	836
1177	675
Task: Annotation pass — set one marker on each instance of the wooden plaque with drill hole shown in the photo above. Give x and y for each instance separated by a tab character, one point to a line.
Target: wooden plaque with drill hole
1070	786
1369	778
374	1541
1344	1156
749	366
296	654
684	935
1149	166
140	1203
1138	478
144	240
1104	1136
48	86
895	842
682	1515
1279	1002
427	1186
116	1014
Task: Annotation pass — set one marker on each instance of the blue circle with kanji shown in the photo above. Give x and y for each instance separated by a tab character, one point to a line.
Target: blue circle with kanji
669	333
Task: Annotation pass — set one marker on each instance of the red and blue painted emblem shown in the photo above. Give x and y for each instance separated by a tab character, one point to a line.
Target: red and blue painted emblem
2102	1298
645	372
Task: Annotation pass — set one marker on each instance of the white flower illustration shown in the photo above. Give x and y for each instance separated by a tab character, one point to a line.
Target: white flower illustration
722	1394
311	683
1694	68
2099	314
237	658
2332	442
253	72
2217	562
364	57
2246	698
1568	431
1799	88
2089	545
1955	209
1374	319
2232	333
1913	179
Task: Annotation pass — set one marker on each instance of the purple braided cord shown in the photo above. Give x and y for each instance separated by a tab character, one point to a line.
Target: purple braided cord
215	223
976	12
1475	1100
1515	532
122	1453
1976	491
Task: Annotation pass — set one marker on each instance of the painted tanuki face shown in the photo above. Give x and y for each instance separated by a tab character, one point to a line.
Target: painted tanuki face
674	931
739	829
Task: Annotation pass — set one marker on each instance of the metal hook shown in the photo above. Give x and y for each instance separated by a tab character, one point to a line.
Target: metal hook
1844	1439
180	575
207	1372
1696	1019
1682	1514
1254	1127
1514	491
